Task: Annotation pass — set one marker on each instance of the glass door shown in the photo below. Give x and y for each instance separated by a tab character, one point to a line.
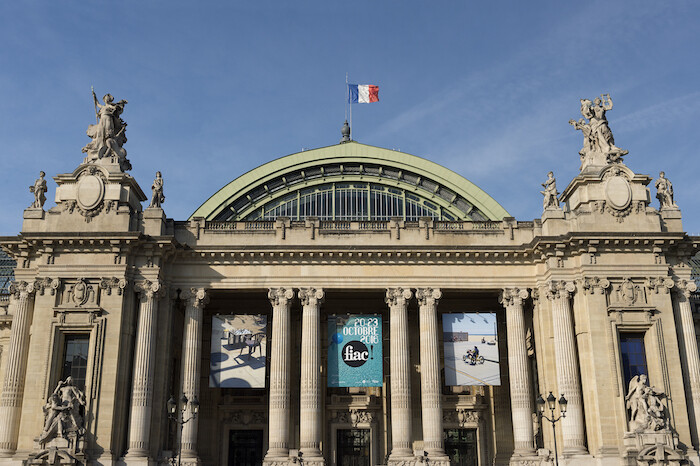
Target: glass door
461	447
245	448
353	447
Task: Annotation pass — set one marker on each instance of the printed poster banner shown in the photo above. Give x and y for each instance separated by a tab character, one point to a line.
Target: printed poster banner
238	351
355	351
471	349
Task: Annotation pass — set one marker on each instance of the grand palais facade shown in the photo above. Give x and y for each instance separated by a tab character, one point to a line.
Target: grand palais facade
350	305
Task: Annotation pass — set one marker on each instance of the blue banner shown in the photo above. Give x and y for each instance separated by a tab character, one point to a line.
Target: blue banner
355	351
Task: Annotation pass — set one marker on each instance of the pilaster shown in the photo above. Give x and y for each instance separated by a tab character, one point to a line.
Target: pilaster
683	289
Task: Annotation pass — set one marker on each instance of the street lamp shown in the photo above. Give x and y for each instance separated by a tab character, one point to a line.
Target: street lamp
551	404
179	418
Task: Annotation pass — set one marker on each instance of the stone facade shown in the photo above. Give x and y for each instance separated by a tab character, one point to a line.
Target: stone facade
143	288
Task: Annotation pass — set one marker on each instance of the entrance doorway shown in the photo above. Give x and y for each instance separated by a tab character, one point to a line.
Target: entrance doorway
461	447
353	447
245	448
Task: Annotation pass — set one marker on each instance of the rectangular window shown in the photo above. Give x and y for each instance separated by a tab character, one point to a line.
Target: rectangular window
75	358
634	359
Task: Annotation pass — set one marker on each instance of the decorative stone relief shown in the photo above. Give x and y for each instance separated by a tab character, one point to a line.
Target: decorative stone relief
90	192
63	416
509	296
686	287
360	416
44	284
245	417
21	289
397	296
598	142
197	297
646	411
313	296
628	293
559	289
148	289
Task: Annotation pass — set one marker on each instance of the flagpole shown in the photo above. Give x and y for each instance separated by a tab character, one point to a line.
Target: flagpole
350	122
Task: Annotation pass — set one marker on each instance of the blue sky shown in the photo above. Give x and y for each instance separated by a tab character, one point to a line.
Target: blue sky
483	88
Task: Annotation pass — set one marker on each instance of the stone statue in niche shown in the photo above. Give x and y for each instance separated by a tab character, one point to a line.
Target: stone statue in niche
39	189
664	192
550	192
108	134
64	412
598	143
647	413
157	197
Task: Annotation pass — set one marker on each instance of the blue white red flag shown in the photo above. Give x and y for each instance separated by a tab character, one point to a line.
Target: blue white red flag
363	93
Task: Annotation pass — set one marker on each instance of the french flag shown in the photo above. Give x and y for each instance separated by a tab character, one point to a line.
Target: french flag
363	93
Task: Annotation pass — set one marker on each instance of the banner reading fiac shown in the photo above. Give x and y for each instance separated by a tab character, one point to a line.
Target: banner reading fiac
355	351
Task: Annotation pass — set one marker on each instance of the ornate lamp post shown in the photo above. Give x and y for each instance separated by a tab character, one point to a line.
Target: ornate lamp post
179	418
551	404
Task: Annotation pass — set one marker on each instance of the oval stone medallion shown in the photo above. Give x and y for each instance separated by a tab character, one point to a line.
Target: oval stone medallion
618	192
90	191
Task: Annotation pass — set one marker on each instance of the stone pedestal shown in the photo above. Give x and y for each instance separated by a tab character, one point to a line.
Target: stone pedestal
154	221
34	213
653	448
671	219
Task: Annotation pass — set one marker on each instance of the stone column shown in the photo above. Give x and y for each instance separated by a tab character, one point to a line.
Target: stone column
683	289
144	367
278	445
400	374
22	305
520	391
572	428
196	299
310	412
431	396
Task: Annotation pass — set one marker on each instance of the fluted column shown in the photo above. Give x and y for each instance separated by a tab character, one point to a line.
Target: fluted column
683	289
144	357
520	391
22	302
310	412
400	374
196	299
431	397
559	293
280	298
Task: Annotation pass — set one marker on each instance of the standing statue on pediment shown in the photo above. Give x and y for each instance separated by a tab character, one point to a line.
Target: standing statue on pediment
664	192
39	188
551	201
108	134
598	143
157	197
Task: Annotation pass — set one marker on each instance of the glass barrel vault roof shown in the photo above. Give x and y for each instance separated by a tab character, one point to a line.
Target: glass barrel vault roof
350	181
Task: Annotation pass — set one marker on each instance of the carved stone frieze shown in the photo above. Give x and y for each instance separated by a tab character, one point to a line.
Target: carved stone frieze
593	285
311	296
461	416
360	416
245	417
114	283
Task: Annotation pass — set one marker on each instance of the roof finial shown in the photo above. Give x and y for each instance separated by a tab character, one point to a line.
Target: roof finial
345	131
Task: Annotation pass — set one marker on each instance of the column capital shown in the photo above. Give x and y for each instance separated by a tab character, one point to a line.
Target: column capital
311	296
280	296
22	289
593	285
113	283
195	297
428	296
659	285
513	296
557	289
685	287
397	296
148	289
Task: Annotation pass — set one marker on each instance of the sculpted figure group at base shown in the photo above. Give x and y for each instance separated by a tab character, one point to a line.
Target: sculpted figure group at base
647	413
598	143
63	412
108	134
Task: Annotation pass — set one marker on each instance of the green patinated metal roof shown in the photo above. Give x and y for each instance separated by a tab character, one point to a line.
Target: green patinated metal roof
351	162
